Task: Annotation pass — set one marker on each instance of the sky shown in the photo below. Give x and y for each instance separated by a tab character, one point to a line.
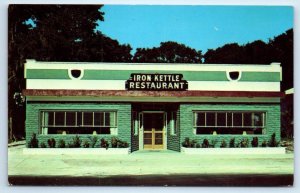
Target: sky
199	27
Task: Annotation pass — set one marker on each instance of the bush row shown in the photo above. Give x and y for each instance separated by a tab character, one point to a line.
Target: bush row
232	143
76	142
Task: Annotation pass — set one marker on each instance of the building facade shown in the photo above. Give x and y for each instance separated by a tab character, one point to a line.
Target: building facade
152	106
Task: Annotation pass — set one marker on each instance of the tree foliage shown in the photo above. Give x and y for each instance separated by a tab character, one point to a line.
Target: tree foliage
54	33
168	52
278	49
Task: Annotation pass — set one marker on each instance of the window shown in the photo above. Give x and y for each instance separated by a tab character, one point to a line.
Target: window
206	122
78	122
173	123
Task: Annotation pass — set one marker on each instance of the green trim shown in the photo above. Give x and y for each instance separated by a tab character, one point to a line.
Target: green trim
125	74
47	74
261	76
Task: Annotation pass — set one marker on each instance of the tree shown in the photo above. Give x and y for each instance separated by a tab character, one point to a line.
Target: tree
257	52
168	52
53	33
103	48
227	54
283	52
278	49
18	32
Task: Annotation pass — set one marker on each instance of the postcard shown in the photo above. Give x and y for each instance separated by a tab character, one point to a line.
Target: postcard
150	95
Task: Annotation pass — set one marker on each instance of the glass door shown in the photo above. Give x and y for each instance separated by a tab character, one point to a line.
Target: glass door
153	135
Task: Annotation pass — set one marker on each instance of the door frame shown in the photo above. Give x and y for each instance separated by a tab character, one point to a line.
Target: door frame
141	128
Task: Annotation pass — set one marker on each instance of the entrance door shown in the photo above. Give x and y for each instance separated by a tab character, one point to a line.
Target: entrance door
153	130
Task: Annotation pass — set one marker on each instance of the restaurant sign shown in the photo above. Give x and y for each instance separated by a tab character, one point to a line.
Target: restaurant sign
172	82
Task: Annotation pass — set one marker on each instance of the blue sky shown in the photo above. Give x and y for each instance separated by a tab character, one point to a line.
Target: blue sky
200	27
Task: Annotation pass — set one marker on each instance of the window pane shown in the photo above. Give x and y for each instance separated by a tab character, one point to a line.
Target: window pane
199	119
100	130
105	130
98	119
210	119
158	141
221	119
229	119
237	119
48	118
70	119
59	118
101	118
247	119
88	118
79	119
107	119
205	130
236	130
258	119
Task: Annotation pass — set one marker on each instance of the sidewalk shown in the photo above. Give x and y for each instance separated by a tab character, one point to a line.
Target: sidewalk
145	163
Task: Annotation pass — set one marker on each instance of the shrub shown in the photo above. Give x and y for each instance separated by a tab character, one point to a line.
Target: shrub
61	143
232	143
254	142
114	142
193	143
103	143
186	142
205	143
43	145
189	143
86	144
223	144
51	143
244	143
122	144
70	145
94	140
33	143
213	143
264	143
198	145
273	142
75	142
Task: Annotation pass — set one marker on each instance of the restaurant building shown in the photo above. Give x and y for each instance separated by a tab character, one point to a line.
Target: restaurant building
152	106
